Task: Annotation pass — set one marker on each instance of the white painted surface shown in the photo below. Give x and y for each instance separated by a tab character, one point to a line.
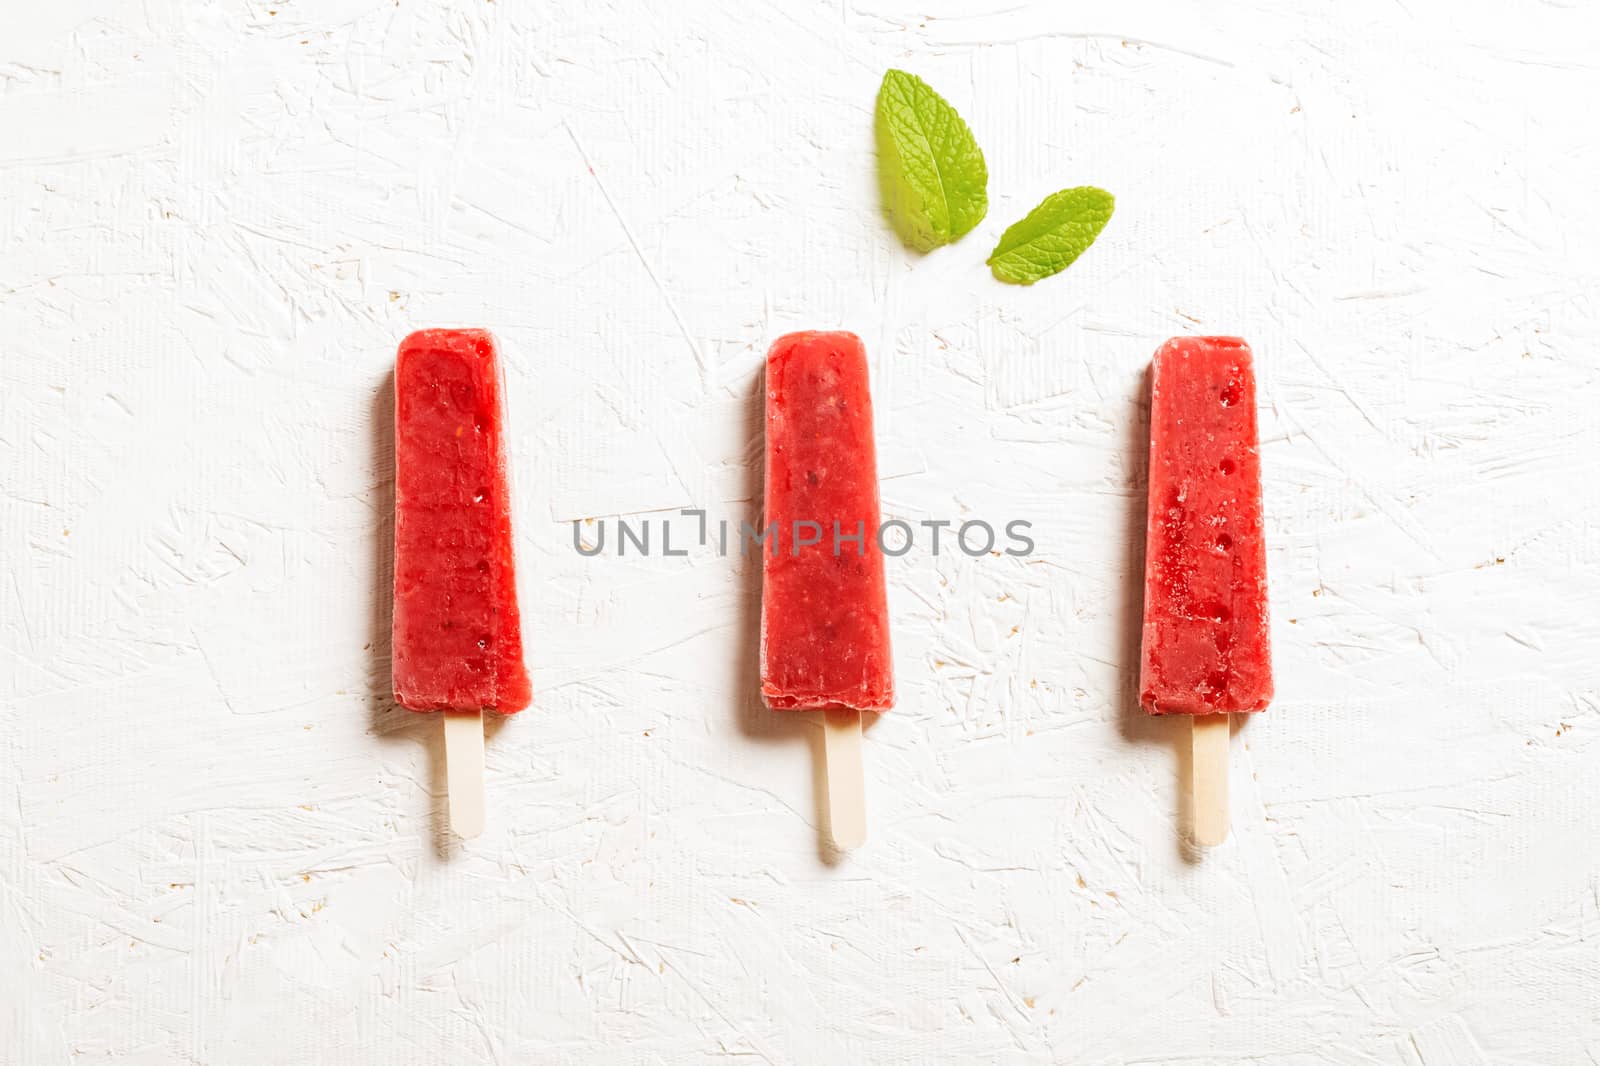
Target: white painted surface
218	842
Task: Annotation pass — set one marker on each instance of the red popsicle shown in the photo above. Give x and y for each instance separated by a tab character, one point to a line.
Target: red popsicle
457	631
824	607
1205	602
1205	652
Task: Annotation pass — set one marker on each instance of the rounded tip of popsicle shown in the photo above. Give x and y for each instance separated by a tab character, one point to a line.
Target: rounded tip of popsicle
1209	834
468	824
848	837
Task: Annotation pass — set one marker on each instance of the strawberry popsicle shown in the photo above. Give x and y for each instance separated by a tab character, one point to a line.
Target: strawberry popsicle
1205	600
457	631
824	607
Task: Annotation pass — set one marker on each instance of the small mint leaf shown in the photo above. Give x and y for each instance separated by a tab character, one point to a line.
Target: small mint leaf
930	169
1055	233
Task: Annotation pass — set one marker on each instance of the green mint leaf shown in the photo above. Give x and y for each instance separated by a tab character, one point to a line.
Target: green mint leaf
1054	234
931	172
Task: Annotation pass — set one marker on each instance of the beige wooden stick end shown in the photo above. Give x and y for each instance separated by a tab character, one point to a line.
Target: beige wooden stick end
463	769
847	801
1210	779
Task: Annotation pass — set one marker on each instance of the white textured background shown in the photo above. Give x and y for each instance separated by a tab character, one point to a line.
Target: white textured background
219	843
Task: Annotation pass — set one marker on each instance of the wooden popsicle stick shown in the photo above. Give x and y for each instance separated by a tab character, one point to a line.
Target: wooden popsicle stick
463	771
847	794
1209	779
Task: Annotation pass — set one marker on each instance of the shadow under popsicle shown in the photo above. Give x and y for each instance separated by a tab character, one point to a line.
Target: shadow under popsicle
1136	725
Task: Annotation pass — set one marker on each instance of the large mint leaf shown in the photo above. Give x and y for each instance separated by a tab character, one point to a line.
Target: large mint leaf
931	171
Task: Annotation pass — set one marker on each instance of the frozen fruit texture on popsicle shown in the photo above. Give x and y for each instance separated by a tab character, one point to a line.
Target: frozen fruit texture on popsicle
1205	648
457	630
824	606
